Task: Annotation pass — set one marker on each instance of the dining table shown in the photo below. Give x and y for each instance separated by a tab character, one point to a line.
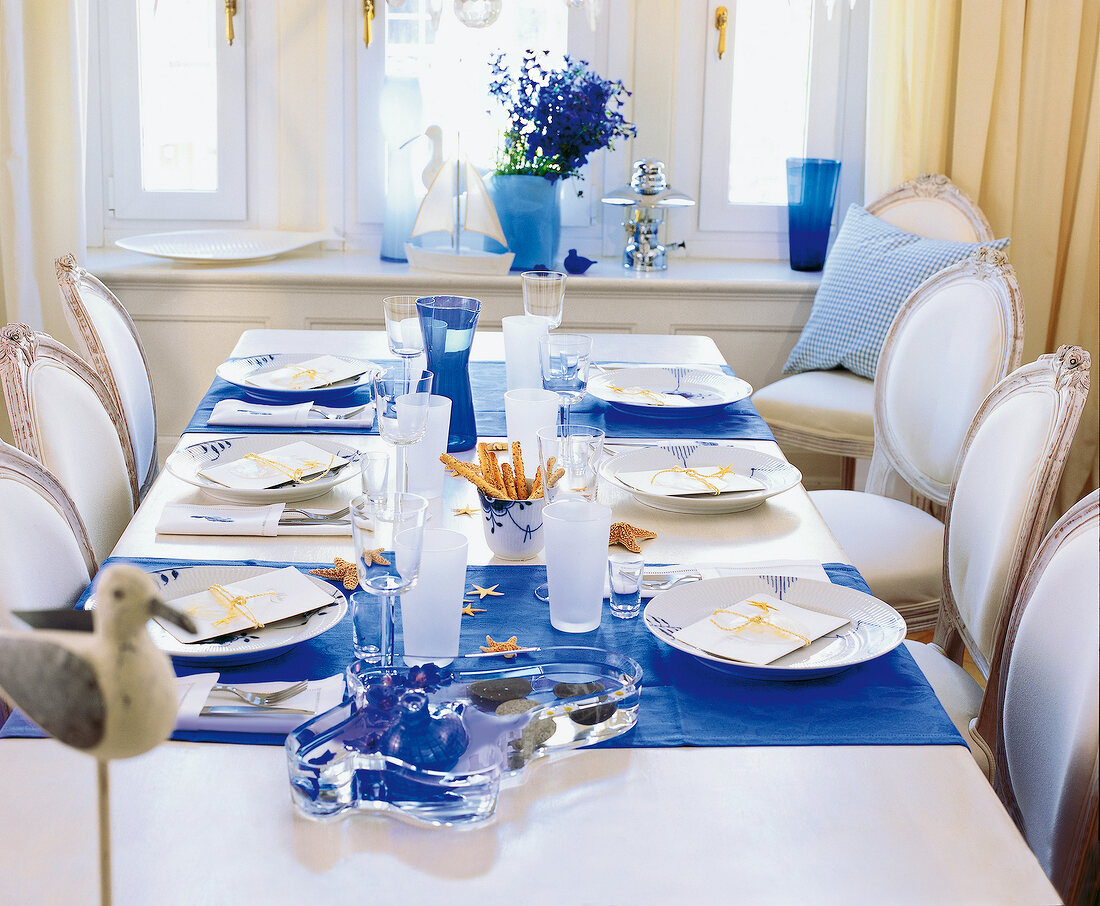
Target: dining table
808	810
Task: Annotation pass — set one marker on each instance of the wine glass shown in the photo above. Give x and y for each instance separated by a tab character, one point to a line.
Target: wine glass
402	405
564	359
544	295
375	527
403	332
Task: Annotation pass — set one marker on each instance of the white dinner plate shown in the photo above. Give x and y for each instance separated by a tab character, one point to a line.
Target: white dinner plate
185	464
238	372
874	627
221	246
636	390
774	473
243	647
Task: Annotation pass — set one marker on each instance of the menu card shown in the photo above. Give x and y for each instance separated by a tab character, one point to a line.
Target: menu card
758	629
250	603
318	372
296	462
680	480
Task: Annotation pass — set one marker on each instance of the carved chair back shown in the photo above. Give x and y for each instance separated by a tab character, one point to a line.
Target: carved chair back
934	207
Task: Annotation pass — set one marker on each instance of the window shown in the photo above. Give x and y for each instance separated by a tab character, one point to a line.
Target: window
177	98
790	84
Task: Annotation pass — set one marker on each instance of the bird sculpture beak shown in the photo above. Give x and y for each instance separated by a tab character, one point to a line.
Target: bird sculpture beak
160	609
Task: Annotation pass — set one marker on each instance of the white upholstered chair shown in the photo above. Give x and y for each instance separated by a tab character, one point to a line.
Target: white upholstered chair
109	341
1040	709
1001	494
956	336
63	415
831	411
46	560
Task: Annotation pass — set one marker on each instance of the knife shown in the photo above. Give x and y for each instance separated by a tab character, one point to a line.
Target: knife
226	710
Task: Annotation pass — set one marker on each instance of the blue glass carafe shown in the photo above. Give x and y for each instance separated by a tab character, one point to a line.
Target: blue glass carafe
448	323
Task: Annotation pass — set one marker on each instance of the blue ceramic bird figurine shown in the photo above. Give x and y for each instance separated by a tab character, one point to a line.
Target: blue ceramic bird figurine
577	264
109	692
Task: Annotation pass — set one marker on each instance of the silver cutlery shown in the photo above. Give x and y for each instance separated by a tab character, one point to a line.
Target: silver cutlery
337	414
670	581
238	710
307	517
262	699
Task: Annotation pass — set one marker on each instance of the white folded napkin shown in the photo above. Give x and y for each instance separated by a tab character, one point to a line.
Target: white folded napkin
798	569
195	693
255	414
188	519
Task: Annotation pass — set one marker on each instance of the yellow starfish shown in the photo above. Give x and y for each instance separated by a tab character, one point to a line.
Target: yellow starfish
375	556
342	570
510	645
469	610
482	592
465	511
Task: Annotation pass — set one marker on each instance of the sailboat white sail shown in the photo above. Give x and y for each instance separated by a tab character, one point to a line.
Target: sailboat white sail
443	211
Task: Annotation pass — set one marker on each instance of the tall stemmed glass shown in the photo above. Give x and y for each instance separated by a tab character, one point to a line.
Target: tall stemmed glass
564	359
402	405
403	332
375	526
544	295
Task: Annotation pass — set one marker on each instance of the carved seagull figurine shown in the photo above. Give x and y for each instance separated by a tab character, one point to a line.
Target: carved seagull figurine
109	692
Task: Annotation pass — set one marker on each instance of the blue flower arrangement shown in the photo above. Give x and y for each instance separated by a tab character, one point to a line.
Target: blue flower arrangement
556	116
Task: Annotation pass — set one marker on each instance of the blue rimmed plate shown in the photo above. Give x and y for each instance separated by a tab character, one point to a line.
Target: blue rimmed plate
240	372
668	392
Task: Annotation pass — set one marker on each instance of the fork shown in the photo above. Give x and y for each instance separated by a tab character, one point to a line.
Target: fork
261	699
325	412
307	515
670	581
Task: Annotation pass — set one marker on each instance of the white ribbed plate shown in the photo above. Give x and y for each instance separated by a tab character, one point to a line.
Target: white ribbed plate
875	628
226	246
238	371
239	647
702	391
186	463
775	474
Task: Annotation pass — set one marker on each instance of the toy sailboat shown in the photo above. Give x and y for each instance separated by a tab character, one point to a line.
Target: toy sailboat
448	209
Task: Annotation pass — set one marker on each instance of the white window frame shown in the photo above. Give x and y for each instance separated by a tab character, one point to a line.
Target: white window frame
126	198
366	196
834	129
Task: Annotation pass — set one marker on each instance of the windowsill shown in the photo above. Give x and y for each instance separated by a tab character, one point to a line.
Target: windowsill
336	269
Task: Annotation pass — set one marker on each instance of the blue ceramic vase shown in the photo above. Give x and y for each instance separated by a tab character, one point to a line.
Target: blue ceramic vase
448	323
529	208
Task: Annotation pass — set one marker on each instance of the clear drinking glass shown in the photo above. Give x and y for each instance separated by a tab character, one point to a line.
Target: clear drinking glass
375	527
402	404
544	295
403	331
624	582
374	471
564	359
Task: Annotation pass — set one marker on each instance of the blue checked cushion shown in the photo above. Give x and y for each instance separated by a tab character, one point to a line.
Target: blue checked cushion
871	270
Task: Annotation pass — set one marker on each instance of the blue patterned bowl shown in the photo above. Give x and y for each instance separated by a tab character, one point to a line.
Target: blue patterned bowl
513	528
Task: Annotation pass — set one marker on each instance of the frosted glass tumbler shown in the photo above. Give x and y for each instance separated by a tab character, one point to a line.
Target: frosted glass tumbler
426	472
576	560
525	411
431	611
521	350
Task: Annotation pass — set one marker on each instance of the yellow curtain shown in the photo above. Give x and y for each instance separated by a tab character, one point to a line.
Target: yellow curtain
1003	96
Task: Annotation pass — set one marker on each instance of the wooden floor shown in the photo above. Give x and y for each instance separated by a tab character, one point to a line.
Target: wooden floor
968	664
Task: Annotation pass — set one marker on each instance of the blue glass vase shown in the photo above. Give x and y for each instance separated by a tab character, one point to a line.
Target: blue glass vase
448	323
811	192
529	209
432	743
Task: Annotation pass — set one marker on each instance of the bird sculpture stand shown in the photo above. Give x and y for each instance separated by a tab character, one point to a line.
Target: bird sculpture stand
95	680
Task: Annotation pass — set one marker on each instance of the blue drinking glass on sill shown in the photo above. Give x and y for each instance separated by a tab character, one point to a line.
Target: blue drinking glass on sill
811	192
448	324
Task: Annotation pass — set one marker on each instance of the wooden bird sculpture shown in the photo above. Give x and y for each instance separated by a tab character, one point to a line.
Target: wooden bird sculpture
110	693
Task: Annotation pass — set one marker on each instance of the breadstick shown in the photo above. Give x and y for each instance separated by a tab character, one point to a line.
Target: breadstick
497	446
483	460
494	476
470	474
536	485
555	477
517	467
509	481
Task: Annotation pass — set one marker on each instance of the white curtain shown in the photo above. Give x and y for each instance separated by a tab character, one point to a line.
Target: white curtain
43	111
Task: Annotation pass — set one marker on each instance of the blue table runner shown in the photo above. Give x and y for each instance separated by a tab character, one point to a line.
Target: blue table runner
488	382
886	701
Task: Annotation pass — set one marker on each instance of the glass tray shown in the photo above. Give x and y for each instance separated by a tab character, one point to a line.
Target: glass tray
348	759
